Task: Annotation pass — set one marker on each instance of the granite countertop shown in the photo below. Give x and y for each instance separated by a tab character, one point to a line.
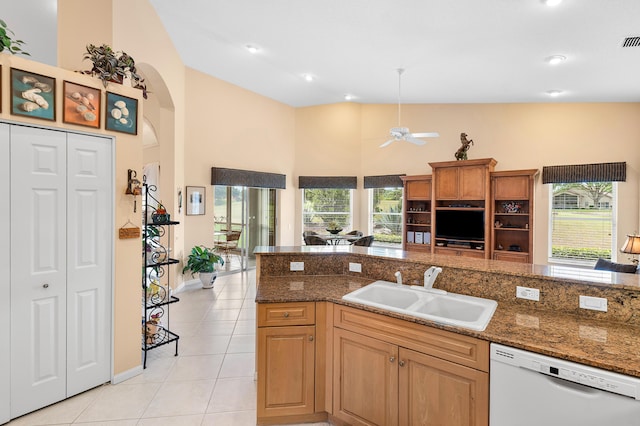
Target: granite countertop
607	345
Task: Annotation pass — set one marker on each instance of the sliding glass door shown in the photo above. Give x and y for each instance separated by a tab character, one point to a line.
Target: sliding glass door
250	211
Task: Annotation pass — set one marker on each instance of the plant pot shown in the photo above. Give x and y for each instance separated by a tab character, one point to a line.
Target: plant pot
208	278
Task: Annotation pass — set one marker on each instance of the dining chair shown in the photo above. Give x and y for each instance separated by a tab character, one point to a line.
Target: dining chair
305	234
364	241
314	240
230	244
355	233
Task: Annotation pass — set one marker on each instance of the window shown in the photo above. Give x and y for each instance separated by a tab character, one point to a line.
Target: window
385	216
582	222
322	207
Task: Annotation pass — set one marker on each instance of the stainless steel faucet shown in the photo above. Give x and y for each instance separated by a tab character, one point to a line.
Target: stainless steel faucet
430	276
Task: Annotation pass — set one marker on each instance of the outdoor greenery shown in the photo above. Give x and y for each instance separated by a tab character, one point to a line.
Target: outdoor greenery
594	190
580	253
323	206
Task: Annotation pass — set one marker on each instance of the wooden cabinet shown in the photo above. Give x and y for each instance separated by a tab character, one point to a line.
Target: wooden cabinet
286	360
417	213
512	215
393	372
461	194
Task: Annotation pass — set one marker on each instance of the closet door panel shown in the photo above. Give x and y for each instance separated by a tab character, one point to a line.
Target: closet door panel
89	251
38	268
5	303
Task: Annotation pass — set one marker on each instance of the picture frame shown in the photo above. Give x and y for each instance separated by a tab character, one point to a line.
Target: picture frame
195	200
121	114
33	95
0	88
82	105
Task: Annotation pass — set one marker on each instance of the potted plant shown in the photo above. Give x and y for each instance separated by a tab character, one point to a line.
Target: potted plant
7	42
202	260
112	66
334	228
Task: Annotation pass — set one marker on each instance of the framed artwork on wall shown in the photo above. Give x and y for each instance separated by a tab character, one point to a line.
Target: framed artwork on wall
33	95
195	200
81	105
121	114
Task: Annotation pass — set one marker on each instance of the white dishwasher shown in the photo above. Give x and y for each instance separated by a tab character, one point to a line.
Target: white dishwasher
528	389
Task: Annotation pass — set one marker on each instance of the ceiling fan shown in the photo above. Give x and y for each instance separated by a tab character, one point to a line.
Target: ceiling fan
402	133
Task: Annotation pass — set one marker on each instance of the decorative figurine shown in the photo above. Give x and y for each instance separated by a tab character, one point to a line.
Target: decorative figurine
461	153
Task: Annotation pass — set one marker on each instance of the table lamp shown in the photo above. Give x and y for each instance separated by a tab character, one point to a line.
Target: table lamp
632	246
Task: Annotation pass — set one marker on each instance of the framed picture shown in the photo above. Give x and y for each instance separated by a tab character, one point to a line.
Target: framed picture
0	88
81	105
33	95
195	200
121	114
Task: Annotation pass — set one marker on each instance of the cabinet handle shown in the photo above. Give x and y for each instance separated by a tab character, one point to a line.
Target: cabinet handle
311	338
391	359
401	363
286	315
45	285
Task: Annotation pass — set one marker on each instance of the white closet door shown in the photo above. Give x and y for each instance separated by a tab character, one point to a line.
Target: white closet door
89	252
5	350
38	268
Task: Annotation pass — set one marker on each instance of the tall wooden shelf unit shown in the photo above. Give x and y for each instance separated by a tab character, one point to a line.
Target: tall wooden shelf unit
463	186
512	224
417	213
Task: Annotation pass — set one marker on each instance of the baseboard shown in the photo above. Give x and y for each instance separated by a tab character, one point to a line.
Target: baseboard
126	375
186	285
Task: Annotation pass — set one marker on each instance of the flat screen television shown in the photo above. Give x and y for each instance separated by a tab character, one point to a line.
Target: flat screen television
460	224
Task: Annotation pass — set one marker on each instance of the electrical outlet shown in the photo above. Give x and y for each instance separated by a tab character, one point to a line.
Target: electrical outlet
528	293
296	266
355	267
593	303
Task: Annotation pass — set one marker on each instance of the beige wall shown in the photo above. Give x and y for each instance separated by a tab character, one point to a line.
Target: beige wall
227	126
518	136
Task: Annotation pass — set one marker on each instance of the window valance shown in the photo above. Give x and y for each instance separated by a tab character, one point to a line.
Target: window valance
327	182
383	181
599	172
252	179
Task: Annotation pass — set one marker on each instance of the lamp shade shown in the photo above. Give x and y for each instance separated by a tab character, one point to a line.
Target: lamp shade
631	245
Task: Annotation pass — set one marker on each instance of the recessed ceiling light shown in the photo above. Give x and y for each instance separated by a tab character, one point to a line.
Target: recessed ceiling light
252	48
552	2
554	93
308	77
555	59
348	97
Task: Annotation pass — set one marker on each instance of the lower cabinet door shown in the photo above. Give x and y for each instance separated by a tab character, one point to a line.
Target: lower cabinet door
286	381
433	391
365	382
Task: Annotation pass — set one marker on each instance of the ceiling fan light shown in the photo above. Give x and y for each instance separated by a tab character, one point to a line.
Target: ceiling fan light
555	59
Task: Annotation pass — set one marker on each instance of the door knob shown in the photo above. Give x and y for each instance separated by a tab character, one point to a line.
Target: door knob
45	285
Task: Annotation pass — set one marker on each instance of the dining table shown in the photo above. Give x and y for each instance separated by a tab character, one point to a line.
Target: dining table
335	239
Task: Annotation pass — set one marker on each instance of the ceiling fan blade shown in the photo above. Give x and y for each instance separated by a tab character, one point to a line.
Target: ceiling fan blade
413	140
426	135
387	143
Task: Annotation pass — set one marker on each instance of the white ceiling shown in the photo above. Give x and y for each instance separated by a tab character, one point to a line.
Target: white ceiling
454	51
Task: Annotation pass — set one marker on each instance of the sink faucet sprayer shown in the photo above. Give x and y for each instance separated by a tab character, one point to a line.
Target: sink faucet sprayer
398	277
430	276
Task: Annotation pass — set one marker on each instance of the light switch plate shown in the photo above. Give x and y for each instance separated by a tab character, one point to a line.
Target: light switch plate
296	266
593	303
355	267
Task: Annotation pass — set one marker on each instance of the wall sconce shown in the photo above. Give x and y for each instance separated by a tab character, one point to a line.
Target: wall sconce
133	186
632	246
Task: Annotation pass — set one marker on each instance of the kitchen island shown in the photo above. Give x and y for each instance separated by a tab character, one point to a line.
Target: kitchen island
553	326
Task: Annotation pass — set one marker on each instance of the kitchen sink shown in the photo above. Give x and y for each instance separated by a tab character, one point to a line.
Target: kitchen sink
436	305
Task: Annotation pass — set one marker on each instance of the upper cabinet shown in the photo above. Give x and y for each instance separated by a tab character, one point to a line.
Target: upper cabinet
462	180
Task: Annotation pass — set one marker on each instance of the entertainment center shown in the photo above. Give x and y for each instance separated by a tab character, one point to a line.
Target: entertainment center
465	208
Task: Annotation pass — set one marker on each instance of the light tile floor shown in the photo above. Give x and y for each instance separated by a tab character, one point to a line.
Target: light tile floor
210	382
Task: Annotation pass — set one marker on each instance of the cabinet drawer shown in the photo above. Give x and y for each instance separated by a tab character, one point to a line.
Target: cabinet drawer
458	348
279	314
478	254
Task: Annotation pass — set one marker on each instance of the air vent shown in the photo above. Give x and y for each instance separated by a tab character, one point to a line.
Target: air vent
631	42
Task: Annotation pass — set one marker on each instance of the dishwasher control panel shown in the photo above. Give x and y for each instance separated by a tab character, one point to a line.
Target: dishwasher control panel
566	370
